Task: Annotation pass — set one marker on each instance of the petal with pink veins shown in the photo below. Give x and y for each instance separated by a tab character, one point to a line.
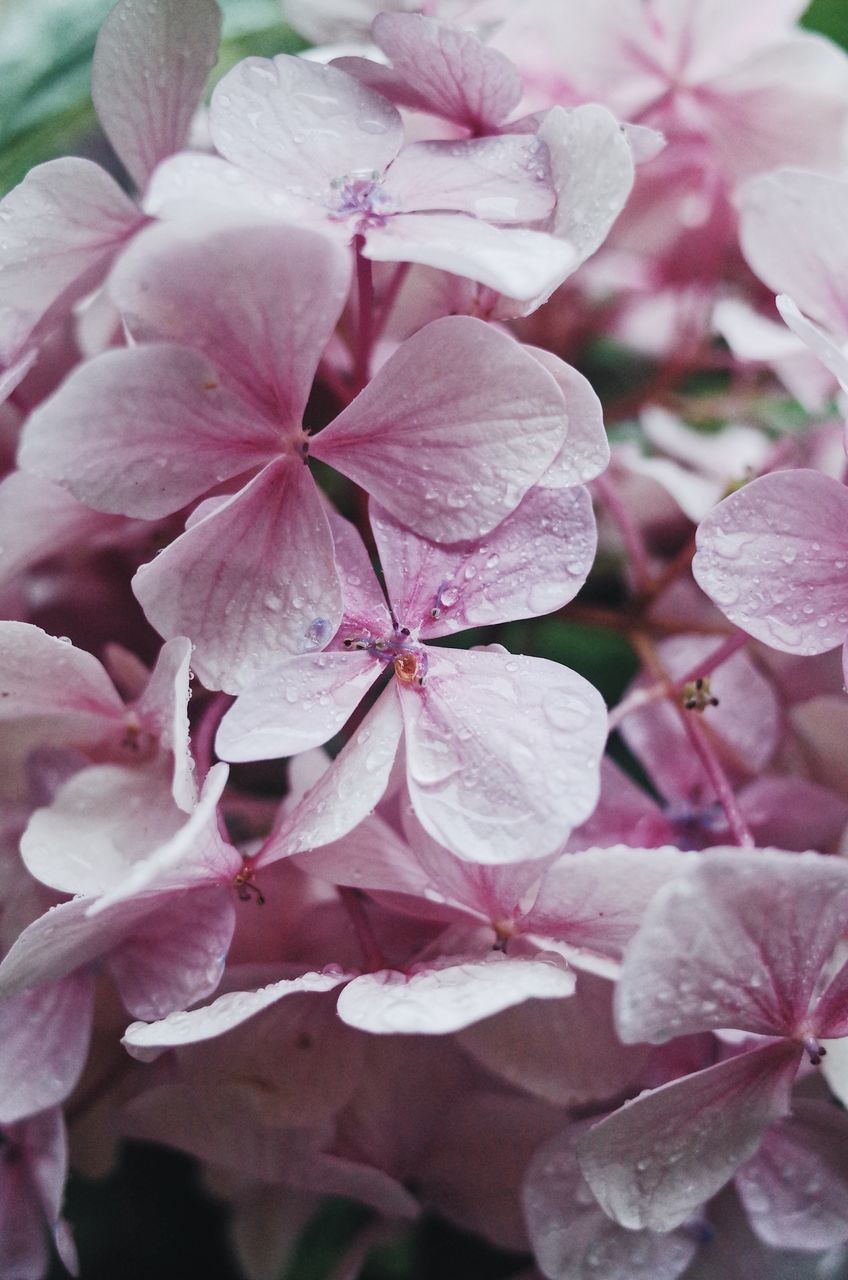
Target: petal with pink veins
740	941
653	1162
147	1041
296	704
350	788
774	558
44	1035
442	998
502	753
450	456
179	956
251	581
302	125
450	69
795	1190
365	608
532	563
597	898
520	263
140	431
37	516
60	228
502	180
149	71
218	290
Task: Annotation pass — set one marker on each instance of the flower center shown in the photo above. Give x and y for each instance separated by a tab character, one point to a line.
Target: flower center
360	196
408	658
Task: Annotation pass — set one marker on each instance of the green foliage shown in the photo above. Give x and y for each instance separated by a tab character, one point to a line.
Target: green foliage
830	17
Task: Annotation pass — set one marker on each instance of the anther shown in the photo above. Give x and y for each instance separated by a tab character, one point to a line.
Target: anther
697	696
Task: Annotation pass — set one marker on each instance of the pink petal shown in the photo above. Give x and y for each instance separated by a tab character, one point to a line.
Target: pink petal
571	1235
519	263
60	228
254	579
475	736
659	1157
533	562
143	430
44	1035
740	942
442	998
296	704
597	899
147	1041
773	558
365	608
585	453
450	457
32	1184
45	676
218	291
592	171
795	1190
831	355
101	822
502	180
301	125
192	185
149	71
163	709
360	773
457	75
179	956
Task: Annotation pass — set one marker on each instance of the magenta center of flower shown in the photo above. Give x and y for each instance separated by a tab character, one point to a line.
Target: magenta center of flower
360	196
408	658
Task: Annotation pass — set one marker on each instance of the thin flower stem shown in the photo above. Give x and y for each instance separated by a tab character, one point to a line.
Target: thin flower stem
631	535
365	317
644	696
715	659
203	737
699	740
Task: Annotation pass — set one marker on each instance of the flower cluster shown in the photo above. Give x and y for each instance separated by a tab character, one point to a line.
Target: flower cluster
305	872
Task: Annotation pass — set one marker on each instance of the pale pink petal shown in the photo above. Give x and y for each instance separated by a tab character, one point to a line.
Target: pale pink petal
585	453
44	1036
101	822
301	124
147	1040
502	180
830	1016
592	171
791	231
597	899
32	1184
365	608
359	776
58	231
218	290
452	456
519	263
659	1157
163	710
625	814
773	556
571	1235
149	71
296	704
740	941
42	675
140	431
783	105
179	956
253	580
532	563
370	857
192	185
195	855
442	998
566	1054
832	356
457	75
36	517
502	753
795	1190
